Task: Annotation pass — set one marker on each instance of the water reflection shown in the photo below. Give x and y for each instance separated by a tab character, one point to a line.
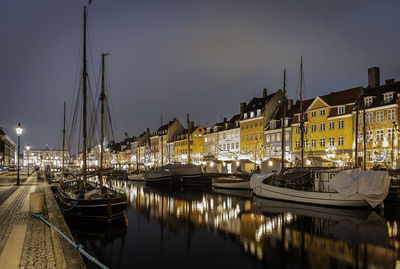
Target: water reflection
269	233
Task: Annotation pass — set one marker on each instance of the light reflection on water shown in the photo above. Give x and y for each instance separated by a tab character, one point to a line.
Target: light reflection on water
264	233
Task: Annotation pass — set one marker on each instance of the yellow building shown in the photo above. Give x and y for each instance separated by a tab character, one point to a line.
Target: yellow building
196	145
328	130
254	116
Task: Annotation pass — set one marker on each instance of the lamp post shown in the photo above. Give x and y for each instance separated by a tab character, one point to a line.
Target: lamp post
19	131
27	149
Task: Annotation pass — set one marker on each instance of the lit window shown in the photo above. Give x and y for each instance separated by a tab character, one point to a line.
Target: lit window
245	115
313	143
278	137
251	114
341	110
368	101
369	118
379	116
273	125
379	135
258	112
387	97
391	114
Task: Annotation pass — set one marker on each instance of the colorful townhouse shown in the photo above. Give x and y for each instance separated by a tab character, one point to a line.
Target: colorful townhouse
380	103
328	130
181	148
229	145
254	116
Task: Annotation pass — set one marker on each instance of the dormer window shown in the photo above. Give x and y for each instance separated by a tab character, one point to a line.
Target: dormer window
273	124
258	112
387	97
368	101
245	115
341	110
252	114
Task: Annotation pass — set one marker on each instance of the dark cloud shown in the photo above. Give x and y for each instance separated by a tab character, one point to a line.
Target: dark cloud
178	57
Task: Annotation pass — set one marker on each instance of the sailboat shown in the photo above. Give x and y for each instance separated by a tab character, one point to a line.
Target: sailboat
80	198
348	188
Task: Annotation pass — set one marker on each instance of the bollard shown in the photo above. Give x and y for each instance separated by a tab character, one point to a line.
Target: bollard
36	200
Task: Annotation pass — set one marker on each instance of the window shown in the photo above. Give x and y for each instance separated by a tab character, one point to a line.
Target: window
258	112
331	141
287	136
387	97
273	138
245	115
379	135
306	143
251	114
390	134
313	114
228	146
369	136
267	138
273	124
242	137
305	129
360	119
391	114
341	110
322	112
340	140
368	101
332	125
255	124
313	143
251	125
278	137
379	116
297	130
341	124
369	118
247	126
224	146
360	136
313	128
247	137
251	136
261	135
242	126
237	145
322	142
322	126
297	144
260	123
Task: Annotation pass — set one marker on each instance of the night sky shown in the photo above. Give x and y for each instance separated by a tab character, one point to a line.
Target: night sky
175	57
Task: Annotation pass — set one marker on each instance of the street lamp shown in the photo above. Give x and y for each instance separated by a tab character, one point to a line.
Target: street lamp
19	131
27	149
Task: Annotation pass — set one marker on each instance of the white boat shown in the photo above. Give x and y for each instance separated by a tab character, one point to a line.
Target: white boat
136	177
350	188
231	183
190	174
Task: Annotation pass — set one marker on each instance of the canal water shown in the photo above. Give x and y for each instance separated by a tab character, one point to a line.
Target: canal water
217	228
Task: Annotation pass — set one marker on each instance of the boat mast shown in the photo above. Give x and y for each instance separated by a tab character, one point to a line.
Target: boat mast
63	154
364	133
356	147
162	145
301	113
283	120
188	137
102	99
138	152
84	140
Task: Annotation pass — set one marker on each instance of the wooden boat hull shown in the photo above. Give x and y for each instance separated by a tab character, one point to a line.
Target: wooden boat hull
107	209
308	197
239	184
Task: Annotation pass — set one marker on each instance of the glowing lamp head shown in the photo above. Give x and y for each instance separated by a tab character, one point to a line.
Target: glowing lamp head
19	129
28	148
269	163
308	162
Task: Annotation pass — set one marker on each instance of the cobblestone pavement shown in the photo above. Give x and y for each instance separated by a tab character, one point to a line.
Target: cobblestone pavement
38	249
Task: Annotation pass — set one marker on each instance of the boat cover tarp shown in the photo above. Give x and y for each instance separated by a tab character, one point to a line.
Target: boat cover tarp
257	179
373	186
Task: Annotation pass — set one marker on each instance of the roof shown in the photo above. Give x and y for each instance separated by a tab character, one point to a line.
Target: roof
343	97
258	103
379	91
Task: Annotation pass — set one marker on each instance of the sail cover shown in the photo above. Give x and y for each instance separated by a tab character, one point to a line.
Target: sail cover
373	186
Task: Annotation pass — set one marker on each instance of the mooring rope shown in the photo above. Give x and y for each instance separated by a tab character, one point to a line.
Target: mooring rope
79	247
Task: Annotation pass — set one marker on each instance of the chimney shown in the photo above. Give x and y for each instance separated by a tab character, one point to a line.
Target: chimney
148	130
242	107
373	77
224	119
389	81
264	92
289	104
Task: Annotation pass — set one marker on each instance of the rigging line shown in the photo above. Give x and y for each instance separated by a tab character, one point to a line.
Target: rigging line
109	103
76	110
